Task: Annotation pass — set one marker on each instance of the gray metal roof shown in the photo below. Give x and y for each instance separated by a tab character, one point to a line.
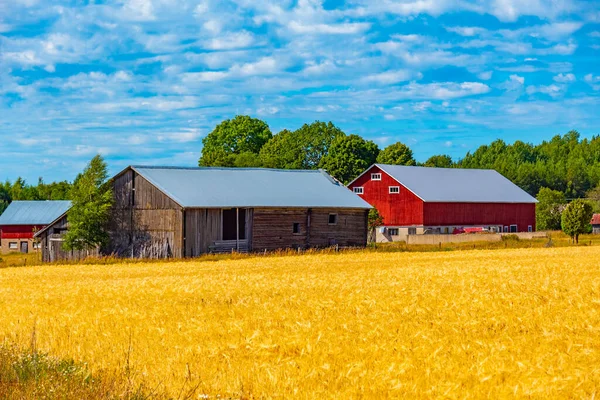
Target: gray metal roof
250	187
34	212
458	185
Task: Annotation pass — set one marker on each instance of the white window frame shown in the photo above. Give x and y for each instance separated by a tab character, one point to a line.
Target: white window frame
376	176
13	245
529	228
412	229
506	229
516	228
358	190
393	231
394	190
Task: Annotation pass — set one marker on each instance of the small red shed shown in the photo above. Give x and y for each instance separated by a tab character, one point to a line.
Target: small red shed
416	200
22	219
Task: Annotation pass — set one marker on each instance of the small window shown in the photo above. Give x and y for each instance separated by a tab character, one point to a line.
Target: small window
358	190
505	229
394	189
393	231
513	228
529	228
332	219
375	177
13	245
296	228
412	231
37	245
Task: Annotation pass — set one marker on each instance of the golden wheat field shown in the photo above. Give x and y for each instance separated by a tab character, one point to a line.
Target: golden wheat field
464	324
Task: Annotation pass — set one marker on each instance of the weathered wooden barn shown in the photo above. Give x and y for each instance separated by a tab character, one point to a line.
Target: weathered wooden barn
162	212
416	200
22	219
185	212
596	224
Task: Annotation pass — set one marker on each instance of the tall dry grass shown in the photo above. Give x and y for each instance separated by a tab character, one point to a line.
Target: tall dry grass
468	324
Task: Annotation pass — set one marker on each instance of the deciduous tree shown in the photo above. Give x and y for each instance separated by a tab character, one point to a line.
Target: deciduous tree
92	199
576	218
396	154
439	161
549	209
231	138
349	156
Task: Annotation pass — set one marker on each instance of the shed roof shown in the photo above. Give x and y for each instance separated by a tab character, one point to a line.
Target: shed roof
34	212
250	187
596	219
456	185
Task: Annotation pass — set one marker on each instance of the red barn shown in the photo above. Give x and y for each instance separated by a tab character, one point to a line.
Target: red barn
415	200
22	219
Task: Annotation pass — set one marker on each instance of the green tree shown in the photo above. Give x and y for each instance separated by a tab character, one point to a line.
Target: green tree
4	199
349	156
396	154
576	218
92	199
303	148
232	138
439	161
549	209
594	197
374	220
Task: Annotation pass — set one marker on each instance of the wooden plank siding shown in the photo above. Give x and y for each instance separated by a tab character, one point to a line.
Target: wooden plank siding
51	241
202	229
273	228
144	222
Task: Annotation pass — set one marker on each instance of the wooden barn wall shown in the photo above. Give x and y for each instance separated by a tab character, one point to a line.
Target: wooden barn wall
273	228
402	209
144	223
459	214
52	250
202	229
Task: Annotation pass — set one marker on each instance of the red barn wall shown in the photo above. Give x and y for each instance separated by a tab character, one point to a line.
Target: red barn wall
504	214
403	209
19	231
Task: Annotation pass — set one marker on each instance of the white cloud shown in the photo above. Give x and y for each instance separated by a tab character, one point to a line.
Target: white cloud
422	106
564	78
550	90
334	29
231	40
517	78
391	77
486	76
138	10
466	30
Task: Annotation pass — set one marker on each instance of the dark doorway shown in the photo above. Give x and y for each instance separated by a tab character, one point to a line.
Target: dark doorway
24	247
230	224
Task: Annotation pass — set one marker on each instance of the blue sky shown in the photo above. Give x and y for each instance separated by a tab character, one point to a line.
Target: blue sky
143	81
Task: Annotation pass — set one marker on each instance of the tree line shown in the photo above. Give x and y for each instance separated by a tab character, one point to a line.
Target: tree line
555	171
567	163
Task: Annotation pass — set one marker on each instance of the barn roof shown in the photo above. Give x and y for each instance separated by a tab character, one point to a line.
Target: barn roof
455	185
34	212
596	219
250	187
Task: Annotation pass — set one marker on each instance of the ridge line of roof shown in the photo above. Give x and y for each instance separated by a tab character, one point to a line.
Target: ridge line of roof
222	168
437	168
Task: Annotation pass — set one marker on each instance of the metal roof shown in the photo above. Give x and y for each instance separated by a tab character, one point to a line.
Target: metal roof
250	187
34	212
456	185
595	219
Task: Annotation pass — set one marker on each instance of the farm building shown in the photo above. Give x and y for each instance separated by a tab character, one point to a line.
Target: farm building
162	212
596	224
22	219
421	200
